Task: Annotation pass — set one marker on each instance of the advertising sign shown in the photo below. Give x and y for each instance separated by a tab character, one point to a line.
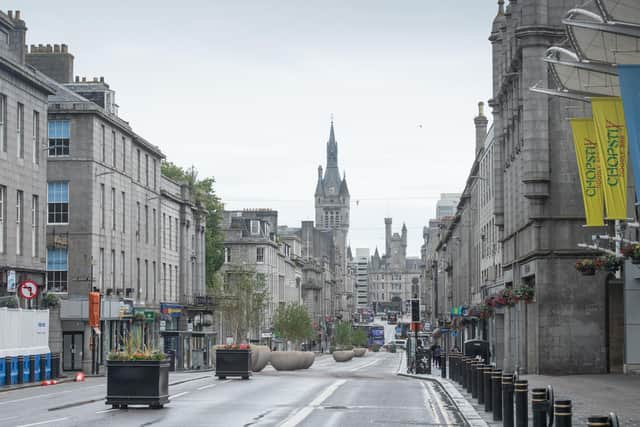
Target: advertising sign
11	281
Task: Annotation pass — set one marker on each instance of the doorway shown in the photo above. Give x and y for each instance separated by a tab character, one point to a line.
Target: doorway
72	350
614	321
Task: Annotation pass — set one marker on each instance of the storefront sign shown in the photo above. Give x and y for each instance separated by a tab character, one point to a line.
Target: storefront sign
163	325
189	327
172	310
126	308
11	281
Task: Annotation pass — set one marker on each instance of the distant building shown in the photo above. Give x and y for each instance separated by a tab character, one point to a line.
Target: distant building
447	205
361	269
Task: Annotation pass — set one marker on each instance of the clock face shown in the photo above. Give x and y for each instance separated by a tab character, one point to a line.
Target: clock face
332	190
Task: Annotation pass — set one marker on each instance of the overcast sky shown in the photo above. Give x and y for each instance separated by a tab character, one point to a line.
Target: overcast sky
244	91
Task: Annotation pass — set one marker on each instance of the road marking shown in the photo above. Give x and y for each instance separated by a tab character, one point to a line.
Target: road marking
431	397
33	397
8	418
44	422
104	411
175	396
364	366
298	416
204	387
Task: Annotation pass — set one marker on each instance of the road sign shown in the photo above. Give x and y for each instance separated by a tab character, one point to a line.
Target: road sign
444	330
28	289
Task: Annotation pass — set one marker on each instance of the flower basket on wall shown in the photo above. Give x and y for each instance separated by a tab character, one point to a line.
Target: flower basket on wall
632	251
611	263
586	266
525	293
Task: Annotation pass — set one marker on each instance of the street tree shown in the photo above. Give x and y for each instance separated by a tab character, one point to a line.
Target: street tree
292	322
359	338
343	334
241	301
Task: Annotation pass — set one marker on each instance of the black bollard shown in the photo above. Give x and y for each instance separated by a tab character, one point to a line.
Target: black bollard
453	357
598	421
521	389
496	393
481	371
467	374
507	399
487	389
539	407
474	379
562	413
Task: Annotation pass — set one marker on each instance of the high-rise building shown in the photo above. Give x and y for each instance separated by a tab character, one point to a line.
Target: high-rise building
361	270
446	206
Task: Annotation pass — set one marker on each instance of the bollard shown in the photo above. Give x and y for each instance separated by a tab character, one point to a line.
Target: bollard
562	413
452	366
474	379
496	394
481	371
467	374
521	389
443	364
507	399
487	389
539	407
598	421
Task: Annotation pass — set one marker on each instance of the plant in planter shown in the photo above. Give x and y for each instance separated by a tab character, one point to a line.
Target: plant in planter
611	263
525	293
50	301
233	360
137	375
360	340
632	251
586	266
342	340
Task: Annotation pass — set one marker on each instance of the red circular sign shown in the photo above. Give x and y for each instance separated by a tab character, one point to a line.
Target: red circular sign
28	289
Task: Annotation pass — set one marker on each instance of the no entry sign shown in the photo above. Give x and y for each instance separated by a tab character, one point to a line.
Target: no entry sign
28	289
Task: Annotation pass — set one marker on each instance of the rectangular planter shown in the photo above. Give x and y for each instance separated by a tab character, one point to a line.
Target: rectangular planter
233	363
139	382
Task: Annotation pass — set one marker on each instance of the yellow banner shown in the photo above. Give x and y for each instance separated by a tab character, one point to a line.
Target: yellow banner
611	131
584	140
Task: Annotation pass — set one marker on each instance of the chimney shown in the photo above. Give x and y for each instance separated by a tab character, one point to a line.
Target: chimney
387	236
481	128
10	13
17	15
53	60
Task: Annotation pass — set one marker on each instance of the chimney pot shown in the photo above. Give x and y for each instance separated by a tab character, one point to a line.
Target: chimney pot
17	15
84	79
10	13
49	48
481	109
33	48
56	48
95	80
41	48
64	48
77	79
101	79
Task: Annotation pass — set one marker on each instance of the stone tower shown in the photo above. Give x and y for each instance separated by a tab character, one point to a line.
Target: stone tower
332	214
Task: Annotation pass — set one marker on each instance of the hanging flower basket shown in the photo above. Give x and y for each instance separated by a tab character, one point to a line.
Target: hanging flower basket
525	293
586	266
632	251
611	264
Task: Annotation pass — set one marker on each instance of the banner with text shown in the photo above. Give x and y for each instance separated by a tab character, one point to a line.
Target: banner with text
584	140
630	89
611	132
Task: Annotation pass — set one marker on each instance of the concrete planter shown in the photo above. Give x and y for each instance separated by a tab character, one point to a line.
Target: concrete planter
309	358
343	355
287	360
359	352
260	356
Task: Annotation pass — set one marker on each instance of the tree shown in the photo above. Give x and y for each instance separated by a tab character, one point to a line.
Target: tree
206	199
292	322
241	301
359	338
343	334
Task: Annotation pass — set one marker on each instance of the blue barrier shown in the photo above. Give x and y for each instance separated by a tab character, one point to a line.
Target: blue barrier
3	371
12	364
35	368
23	361
45	366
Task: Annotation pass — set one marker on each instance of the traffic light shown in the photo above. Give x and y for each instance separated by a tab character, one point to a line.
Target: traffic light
415	310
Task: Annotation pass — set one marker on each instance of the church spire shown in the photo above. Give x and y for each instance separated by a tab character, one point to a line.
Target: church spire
332	149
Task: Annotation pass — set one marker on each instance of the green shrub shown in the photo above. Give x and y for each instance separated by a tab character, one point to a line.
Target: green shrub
359	338
375	348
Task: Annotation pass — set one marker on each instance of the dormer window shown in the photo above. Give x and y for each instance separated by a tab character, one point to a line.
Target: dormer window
255	227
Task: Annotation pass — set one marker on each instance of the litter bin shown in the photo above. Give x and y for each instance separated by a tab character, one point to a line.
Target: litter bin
171	354
24	373
3	371
55	365
423	356
34	359
12	369
45	366
473	348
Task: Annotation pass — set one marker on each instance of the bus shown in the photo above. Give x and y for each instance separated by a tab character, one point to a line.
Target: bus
375	334
392	318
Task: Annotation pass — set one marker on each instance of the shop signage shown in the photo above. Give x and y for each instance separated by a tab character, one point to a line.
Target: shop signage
11	281
163	325
189	327
172	310
126	308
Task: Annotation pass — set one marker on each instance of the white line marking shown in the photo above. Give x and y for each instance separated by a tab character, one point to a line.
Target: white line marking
364	366
8	418
6	402
298	416
204	387
175	396
104	411
44	422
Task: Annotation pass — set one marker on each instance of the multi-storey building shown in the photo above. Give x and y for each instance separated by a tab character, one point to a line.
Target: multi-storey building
447	204
394	278
361	269
23	164
103	224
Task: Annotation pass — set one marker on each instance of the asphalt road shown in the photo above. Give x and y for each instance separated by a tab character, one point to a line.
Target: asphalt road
361	392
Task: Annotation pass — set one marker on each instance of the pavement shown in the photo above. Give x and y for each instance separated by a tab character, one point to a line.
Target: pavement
361	392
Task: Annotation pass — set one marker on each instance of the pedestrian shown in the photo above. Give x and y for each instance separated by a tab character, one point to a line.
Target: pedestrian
436	355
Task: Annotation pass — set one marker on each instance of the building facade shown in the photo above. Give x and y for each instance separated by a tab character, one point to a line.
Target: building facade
23	164
360	266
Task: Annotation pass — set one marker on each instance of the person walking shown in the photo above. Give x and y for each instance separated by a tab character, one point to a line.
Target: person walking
437	353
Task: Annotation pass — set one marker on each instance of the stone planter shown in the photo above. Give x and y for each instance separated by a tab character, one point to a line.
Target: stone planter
343	355
359	352
231	363
137	382
260	356
309	357
287	360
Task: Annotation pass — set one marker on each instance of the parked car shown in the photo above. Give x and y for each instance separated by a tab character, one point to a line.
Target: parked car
399	343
